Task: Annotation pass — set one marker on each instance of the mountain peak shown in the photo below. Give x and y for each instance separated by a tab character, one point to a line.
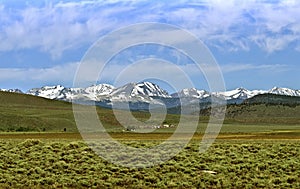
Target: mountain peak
238	94
145	92
140	89
12	90
241	89
51	92
100	89
54	87
63	93
284	91
191	92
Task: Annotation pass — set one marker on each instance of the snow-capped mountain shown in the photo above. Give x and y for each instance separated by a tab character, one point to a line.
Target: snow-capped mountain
105	94
239	93
12	90
141	95
143	89
101	89
191	93
232	96
284	91
51	92
62	93
93	93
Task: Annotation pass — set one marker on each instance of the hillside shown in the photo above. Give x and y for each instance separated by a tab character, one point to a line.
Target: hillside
263	114
21	112
267	108
264	108
273	99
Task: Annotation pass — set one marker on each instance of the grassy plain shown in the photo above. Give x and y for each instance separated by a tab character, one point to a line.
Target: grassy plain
65	163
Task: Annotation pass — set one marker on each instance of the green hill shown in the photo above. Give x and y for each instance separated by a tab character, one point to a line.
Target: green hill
21	112
263	113
273	99
263	109
267	108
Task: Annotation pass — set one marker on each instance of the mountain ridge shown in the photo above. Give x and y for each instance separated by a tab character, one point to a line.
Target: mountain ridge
144	93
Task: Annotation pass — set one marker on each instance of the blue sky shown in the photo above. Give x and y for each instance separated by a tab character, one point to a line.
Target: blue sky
256	43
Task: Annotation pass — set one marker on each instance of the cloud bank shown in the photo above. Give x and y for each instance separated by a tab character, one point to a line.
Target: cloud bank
233	25
118	74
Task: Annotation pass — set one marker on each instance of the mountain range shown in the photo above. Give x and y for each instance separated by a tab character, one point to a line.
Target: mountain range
141	95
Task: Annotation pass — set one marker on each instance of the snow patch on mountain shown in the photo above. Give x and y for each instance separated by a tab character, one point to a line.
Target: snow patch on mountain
191	93
239	93
101	89
284	91
147	92
12	90
51	92
143	89
62	93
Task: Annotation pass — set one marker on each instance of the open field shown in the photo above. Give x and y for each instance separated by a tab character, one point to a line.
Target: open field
239	134
52	163
239	158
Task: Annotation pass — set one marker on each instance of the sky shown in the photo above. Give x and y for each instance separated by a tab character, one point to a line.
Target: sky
255	43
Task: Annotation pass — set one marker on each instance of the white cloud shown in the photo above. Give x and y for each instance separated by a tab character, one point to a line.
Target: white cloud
232	25
35	77
113	73
57	28
229	68
271	43
179	76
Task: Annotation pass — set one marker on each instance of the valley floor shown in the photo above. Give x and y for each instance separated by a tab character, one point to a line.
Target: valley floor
235	160
228	131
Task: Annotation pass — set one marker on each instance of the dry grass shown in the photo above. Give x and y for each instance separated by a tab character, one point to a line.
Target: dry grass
278	135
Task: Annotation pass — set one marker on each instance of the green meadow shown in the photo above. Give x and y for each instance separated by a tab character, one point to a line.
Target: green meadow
34	163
